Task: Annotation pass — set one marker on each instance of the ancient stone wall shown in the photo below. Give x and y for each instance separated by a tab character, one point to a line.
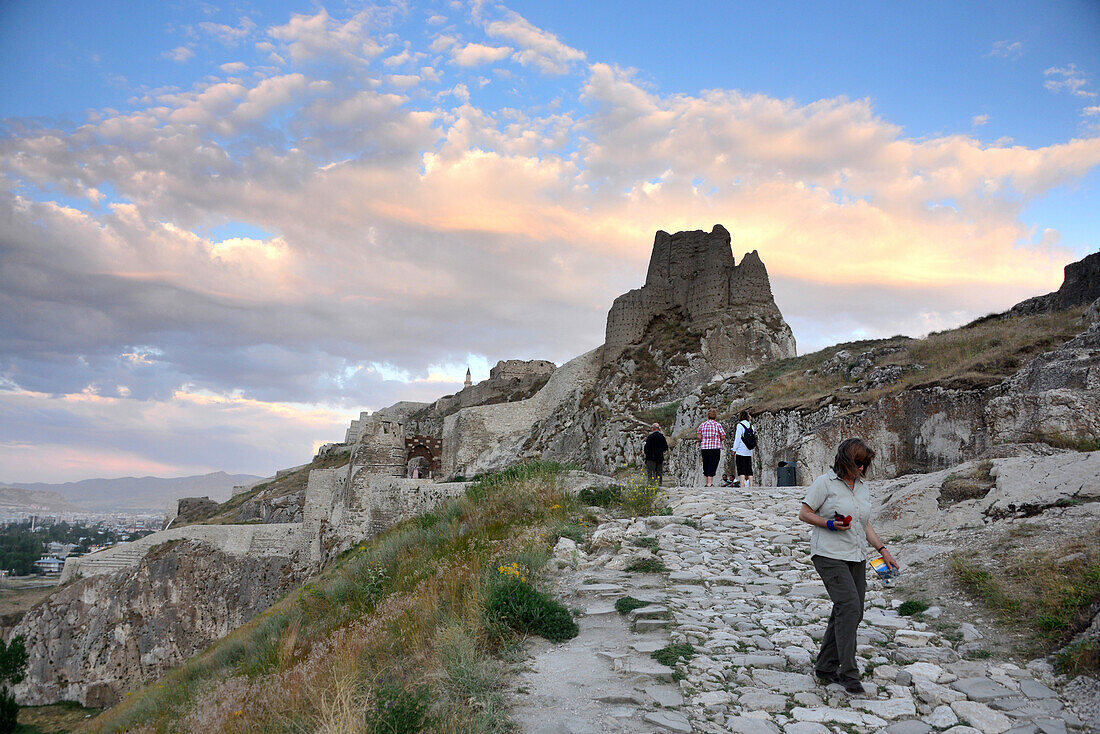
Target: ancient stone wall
381	446
517	369
239	541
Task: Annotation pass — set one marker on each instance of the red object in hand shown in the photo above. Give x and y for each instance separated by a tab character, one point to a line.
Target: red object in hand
848	520
837	517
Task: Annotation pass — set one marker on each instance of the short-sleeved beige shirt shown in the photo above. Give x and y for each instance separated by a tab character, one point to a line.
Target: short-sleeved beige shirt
829	495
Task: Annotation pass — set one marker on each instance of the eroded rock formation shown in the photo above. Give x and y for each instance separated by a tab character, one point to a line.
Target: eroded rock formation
693	275
101	636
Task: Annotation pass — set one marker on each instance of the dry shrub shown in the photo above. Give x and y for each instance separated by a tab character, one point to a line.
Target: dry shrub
971	485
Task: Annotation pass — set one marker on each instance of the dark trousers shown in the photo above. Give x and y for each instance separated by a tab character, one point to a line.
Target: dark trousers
710	461
846	582
653	471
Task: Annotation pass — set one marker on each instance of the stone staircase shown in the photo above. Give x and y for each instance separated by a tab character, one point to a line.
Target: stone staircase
111	559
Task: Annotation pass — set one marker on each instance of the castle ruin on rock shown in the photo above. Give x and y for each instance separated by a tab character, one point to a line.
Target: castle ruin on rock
694	273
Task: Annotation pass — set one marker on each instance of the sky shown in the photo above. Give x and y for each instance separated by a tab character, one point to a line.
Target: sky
226	229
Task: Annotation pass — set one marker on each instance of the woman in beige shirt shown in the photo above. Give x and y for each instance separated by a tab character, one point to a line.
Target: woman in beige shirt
836	502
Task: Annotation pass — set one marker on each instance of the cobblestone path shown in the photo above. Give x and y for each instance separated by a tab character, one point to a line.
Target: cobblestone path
742	591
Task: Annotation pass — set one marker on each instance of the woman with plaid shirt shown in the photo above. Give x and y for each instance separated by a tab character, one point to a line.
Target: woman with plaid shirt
711	436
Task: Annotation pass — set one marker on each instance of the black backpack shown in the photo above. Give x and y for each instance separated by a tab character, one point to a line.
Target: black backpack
748	437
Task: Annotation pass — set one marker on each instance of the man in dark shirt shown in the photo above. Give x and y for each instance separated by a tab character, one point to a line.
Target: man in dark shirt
655	448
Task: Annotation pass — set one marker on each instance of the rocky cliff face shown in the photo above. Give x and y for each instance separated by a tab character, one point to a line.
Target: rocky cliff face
1081	285
1053	398
99	637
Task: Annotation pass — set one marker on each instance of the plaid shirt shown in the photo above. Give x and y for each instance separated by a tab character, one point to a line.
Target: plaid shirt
711	434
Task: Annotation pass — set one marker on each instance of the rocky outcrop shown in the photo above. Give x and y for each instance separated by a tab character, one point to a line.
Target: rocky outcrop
699	315
101	636
1055	397
730	306
1017	486
492	436
1080	286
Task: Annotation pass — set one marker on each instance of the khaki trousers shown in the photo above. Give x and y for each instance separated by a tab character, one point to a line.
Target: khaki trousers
846	583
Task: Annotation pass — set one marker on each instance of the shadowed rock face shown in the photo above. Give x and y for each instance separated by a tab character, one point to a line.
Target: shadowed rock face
101	636
694	274
1081	285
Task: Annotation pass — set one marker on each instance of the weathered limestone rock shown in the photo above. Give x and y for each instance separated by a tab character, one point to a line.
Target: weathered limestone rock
1023	485
104	635
1057	395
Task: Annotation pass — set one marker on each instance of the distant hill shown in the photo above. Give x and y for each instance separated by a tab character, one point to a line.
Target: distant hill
133	494
29	500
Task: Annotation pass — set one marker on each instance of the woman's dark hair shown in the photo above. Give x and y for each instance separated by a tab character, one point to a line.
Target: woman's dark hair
853	457
745	415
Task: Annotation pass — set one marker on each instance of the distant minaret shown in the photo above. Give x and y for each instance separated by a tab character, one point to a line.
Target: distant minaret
467	383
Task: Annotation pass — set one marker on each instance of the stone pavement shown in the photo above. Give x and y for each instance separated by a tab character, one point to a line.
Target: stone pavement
742	591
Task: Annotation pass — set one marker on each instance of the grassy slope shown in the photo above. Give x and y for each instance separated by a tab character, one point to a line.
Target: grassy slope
1039	593
390	623
972	356
295	481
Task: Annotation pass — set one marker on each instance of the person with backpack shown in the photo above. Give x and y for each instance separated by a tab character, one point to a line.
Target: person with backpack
654	452
744	441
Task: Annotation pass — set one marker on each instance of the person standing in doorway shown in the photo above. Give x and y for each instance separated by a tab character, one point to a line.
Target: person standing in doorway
654	451
711	436
742	451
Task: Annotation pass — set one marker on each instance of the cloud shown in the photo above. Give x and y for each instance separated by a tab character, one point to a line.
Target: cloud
234	67
476	54
403	80
179	54
1007	49
319	36
1068	78
536	46
412	229
76	436
979	120
405	57
436	20
227	34
1091	111
442	43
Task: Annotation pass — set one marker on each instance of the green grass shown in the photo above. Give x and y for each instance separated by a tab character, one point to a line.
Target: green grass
521	607
424	602
627	604
646	565
647	542
605	497
1073	443
671	654
665	415
911	607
